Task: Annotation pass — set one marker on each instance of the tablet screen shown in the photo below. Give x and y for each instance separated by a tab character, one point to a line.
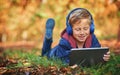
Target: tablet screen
87	56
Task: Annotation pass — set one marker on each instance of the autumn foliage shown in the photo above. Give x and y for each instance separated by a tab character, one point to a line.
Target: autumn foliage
22	26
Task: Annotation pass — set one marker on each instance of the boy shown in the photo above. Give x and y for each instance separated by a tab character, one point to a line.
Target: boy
79	33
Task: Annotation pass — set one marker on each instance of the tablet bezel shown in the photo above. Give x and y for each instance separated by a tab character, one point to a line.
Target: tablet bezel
94	54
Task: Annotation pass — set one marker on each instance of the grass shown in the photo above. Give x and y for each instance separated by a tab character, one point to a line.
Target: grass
112	67
31	59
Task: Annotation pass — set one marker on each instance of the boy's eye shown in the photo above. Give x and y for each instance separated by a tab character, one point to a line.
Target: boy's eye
85	28
77	29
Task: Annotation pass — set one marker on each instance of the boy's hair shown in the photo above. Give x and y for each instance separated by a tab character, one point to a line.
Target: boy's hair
77	15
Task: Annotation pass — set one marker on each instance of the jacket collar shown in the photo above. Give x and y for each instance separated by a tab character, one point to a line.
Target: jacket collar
72	41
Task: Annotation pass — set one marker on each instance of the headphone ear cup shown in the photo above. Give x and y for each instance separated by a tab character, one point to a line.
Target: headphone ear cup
92	27
69	29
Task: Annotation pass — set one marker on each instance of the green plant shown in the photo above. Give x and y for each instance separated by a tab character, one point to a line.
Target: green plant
112	67
30	59
25	59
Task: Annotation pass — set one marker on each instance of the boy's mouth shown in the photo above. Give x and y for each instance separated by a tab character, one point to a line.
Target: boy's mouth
81	37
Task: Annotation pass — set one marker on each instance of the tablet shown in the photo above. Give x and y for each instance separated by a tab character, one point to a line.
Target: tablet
87	56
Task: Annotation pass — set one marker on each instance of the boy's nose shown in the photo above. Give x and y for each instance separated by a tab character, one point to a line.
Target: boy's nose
81	32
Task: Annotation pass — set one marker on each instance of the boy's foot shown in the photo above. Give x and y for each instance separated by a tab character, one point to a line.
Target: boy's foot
49	28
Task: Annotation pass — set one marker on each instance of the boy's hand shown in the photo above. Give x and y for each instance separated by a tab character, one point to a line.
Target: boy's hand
74	66
107	56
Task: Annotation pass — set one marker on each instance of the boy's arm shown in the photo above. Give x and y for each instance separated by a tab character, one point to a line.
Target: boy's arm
61	50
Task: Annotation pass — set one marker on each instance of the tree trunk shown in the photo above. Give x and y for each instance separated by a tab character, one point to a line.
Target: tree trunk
0	37
1	48
118	33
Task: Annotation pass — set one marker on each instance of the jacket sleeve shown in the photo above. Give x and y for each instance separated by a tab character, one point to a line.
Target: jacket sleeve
61	51
95	42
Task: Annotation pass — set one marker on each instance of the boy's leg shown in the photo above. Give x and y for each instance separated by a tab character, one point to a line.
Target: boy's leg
48	36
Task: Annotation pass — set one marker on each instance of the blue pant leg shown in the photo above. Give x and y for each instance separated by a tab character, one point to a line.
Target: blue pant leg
46	46
48	37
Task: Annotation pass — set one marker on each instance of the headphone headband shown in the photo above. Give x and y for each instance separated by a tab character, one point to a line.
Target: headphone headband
67	18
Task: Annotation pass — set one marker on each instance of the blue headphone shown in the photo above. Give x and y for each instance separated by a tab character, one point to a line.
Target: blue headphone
69	27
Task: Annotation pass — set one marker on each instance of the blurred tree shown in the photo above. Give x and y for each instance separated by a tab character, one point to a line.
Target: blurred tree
24	3
118	38
117	2
25	19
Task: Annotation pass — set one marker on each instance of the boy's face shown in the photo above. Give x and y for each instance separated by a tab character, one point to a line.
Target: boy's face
81	30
